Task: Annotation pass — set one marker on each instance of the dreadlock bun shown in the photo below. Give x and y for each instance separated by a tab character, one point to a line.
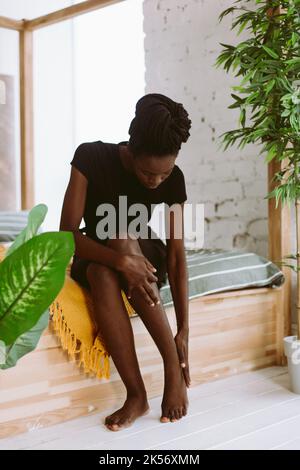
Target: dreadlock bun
159	127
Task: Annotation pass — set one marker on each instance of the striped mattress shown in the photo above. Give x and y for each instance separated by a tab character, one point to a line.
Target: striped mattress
211	271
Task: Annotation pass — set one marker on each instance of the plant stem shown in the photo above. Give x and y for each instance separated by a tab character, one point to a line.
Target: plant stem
297	208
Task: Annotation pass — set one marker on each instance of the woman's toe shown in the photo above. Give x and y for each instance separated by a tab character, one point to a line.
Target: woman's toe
110	422
110	426
124	423
164	419
115	427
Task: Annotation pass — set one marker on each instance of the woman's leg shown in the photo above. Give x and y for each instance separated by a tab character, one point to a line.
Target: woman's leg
175	401
115	327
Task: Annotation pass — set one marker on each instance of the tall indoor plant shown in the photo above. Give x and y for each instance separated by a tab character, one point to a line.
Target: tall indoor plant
268	100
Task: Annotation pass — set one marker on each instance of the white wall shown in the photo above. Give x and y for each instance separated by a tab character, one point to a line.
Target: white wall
181	46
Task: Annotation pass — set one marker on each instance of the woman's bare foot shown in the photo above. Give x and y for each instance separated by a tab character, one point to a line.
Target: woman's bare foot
122	418
175	400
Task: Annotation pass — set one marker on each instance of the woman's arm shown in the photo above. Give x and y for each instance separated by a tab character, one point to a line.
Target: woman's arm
71	216
176	266
137	269
178	280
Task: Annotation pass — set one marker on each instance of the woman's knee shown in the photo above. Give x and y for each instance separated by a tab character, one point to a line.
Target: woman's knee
126	244
99	273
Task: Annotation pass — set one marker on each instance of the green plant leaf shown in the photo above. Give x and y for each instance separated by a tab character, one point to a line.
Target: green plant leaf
237	98
271	52
30	279
242	118
242	26
226	12
25	343
290	257
271	153
35	218
270	86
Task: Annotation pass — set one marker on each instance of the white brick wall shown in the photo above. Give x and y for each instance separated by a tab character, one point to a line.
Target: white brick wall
181	45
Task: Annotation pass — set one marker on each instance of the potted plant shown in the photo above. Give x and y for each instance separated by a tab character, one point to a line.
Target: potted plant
268	100
31	275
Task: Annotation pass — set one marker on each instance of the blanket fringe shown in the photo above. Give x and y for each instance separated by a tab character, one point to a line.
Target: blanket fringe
95	359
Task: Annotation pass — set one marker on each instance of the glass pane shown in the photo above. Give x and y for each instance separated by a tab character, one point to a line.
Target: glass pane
9	121
109	70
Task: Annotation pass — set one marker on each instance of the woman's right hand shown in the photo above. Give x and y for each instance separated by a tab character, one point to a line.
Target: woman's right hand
139	273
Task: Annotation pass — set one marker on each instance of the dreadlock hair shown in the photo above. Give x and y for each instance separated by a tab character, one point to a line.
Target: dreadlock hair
159	127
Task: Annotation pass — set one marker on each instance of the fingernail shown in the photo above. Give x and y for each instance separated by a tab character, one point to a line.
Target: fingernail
158	302
152	305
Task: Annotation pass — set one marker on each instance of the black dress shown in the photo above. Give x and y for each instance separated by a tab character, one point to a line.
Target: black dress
101	164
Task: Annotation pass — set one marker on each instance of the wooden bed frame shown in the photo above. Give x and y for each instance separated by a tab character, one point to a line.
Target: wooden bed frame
230	332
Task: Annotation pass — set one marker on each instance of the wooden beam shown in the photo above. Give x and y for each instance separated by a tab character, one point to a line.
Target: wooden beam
67	13
279	221
26	119
280	244
9	23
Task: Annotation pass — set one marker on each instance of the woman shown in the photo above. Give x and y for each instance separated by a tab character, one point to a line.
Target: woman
142	169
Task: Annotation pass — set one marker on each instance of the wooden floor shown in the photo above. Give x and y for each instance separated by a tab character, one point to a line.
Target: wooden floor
253	410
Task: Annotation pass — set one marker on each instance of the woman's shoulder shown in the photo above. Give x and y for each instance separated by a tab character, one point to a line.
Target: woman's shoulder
177	173
94	145
97	151
91	157
176	188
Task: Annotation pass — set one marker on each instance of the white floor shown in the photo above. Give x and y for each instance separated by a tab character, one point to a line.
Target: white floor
254	410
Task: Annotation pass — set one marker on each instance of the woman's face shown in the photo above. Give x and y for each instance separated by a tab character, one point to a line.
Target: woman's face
151	170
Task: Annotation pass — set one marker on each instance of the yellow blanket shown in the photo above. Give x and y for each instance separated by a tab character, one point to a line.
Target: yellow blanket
72	318
71	315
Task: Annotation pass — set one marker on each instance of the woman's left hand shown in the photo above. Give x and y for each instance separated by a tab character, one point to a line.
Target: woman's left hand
181	341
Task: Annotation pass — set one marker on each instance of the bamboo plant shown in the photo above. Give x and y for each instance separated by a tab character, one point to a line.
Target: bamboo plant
268	96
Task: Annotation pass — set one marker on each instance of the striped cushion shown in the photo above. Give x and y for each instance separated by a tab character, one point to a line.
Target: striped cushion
213	271
11	224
